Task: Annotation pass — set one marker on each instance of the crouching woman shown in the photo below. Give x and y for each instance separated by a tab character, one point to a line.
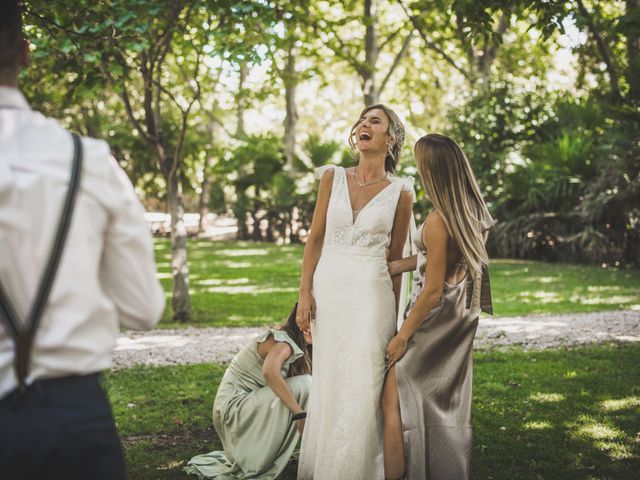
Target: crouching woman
259	409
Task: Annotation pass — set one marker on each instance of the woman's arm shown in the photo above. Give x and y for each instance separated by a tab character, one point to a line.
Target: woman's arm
435	238
399	234
312	251
271	369
407	264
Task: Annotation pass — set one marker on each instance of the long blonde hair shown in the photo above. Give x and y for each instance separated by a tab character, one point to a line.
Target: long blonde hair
451	185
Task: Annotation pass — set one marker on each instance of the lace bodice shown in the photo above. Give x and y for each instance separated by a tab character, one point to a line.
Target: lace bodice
371	227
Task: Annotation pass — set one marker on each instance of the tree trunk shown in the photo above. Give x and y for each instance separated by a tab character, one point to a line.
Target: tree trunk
369	87
240	212
241	100
179	265
205	193
603	49
272	225
286	228
490	50
633	50
243	232
203	201
256	234
290	80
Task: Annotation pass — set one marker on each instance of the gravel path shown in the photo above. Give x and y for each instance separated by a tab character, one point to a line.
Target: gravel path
203	345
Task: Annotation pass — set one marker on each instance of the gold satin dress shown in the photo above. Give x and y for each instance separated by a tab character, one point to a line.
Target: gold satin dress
434	380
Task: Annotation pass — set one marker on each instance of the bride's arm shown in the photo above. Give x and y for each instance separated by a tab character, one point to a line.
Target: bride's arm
312	251
399	234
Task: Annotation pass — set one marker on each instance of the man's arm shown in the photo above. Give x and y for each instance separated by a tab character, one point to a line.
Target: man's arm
128	269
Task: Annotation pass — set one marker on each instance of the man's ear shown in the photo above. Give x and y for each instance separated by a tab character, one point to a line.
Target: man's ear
24	58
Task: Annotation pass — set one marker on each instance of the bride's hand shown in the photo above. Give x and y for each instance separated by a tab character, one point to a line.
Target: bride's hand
395	350
300	426
306	312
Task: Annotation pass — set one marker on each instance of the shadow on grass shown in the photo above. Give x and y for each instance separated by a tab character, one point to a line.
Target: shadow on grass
163	456
241	283
558	414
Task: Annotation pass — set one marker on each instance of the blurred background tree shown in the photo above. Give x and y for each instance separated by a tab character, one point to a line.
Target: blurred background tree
227	107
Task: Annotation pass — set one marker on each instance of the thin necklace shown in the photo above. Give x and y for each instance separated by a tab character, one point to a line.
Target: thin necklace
365	184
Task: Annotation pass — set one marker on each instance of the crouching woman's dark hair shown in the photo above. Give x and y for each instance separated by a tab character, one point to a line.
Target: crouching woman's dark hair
303	364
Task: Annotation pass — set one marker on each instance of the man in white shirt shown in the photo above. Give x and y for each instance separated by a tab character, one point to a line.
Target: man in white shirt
60	425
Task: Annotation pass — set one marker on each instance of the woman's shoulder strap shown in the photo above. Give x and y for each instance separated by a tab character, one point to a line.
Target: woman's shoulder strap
318	172
405	184
282	336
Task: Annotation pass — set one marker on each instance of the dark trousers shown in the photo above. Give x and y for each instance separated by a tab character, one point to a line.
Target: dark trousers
60	428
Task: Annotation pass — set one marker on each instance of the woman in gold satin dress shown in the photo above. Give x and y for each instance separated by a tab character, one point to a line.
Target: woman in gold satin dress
426	399
258	411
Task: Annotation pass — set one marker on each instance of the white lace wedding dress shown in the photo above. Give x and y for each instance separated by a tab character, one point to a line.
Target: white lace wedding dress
355	320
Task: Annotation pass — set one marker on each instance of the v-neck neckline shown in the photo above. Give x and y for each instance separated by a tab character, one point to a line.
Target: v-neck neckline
364	207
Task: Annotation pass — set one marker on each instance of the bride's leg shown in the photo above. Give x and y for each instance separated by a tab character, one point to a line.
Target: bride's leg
393	442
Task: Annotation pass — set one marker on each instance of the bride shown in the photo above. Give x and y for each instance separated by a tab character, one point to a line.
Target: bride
349	301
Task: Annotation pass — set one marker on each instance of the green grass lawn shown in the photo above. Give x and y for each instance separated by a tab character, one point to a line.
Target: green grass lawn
560	414
251	284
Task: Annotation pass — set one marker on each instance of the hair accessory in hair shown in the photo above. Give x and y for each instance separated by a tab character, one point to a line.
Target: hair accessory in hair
398	134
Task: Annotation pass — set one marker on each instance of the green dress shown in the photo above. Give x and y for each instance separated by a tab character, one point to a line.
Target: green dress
253	424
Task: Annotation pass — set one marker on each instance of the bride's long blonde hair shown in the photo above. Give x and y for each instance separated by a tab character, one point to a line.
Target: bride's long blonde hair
452	187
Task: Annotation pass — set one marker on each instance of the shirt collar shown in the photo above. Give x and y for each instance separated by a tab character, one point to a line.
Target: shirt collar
12	98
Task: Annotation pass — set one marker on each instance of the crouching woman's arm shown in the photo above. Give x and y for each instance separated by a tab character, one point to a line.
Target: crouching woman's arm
278	354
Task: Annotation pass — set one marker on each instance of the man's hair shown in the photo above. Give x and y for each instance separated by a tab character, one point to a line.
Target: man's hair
10	38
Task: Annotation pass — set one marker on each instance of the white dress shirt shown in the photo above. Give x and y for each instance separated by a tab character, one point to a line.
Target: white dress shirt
107	274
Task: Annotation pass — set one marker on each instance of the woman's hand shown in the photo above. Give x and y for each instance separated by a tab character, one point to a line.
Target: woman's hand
395	350
306	312
300	425
393	267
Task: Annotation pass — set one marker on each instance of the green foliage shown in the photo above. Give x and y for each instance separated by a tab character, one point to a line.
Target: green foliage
262	190
558	164
477	17
265	191
575	196
493	123
255	161
320	152
143	54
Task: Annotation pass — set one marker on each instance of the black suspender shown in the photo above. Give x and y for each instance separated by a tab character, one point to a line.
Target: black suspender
24	333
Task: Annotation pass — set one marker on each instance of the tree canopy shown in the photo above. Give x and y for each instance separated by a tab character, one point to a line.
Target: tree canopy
227	106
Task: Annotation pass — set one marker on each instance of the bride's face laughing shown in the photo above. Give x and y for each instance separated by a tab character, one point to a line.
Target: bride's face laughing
372	131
